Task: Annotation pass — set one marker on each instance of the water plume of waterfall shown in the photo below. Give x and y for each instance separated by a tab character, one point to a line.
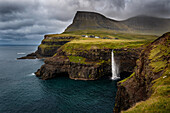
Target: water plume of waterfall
115	70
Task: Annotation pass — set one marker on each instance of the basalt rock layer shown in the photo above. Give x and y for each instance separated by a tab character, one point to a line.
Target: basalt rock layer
49	46
88	64
77	67
152	64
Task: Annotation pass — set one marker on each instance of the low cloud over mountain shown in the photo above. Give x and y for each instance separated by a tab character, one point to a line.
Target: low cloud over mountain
26	21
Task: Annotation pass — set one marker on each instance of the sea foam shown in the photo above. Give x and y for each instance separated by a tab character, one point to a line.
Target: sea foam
20	53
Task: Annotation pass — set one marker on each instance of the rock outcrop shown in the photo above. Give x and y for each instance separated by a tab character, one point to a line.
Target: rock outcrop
29	56
77	67
49	46
152	64
87	64
140	24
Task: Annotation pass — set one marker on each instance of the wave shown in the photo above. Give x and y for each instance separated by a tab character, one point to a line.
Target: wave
20	53
32	74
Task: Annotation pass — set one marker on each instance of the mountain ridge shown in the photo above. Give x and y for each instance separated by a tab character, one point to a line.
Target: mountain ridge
140	24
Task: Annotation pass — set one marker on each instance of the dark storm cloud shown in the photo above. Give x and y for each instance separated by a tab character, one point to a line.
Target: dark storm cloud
16	24
158	8
161	8
29	20
7	7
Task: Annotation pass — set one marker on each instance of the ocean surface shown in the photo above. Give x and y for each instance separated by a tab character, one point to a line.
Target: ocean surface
22	92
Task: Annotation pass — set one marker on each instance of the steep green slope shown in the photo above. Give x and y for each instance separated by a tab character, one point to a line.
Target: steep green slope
159	100
150	83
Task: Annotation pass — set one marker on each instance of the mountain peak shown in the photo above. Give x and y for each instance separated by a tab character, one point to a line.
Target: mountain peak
85	20
85	15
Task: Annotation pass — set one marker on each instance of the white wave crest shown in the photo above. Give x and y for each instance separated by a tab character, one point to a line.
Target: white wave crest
32	74
20	53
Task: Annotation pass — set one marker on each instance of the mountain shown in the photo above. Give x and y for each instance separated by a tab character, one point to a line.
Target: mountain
140	24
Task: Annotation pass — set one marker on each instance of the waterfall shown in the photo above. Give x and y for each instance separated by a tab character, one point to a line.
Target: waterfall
114	68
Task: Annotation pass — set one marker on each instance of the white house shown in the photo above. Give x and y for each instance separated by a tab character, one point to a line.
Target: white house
97	37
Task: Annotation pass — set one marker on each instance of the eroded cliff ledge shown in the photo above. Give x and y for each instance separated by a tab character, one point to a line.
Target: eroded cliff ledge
87	64
49	45
150	79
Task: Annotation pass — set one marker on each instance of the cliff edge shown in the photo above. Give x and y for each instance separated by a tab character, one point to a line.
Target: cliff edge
149	83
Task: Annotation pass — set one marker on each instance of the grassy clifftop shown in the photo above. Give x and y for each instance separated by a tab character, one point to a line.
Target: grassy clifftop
153	75
112	34
115	40
71	42
159	100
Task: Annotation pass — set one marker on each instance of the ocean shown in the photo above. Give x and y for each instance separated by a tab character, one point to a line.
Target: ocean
22	92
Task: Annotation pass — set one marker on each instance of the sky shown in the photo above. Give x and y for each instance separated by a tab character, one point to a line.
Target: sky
27	21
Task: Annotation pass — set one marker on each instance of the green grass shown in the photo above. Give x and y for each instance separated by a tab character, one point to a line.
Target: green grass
82	60
83	45
62	35
45	48
56	40
113	34
157	57
159	102
125	40
158	51
80	43
90	76
127	78
77	59
158	66
48	46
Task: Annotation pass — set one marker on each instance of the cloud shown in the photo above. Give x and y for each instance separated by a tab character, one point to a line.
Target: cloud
29	20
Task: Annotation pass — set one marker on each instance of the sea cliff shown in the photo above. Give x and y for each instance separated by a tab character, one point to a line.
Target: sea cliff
87	64
149	82
76	53
49	45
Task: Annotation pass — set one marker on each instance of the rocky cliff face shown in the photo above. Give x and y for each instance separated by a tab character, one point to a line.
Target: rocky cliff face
89	64
77	67
49	46
140	24
126	58
152	64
